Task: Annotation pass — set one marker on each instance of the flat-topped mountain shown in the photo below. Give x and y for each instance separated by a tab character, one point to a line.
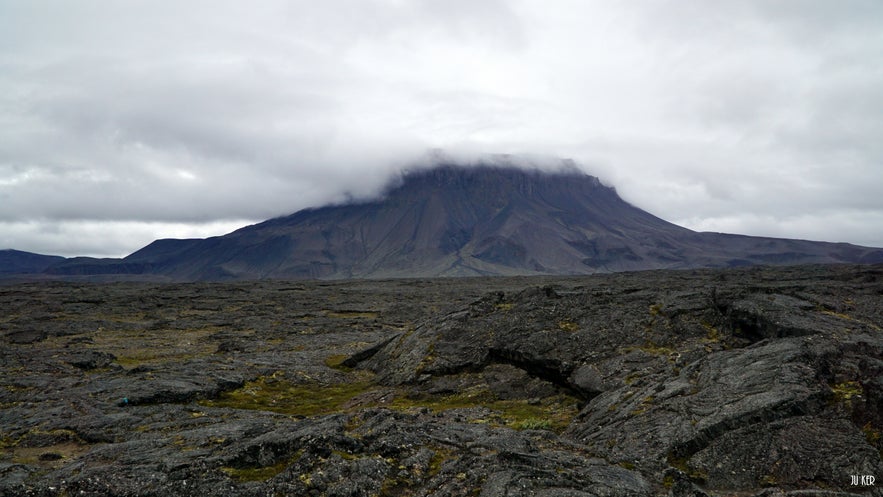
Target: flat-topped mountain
464	221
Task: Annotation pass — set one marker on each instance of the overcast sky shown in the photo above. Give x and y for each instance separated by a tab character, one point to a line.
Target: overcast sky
126	121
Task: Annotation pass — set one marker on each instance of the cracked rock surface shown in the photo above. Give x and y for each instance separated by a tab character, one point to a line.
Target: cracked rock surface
750	382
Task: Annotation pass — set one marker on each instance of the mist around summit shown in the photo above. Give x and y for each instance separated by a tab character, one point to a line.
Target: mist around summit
486	219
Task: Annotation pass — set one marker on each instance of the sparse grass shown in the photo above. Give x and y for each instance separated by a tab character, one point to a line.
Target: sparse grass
503	307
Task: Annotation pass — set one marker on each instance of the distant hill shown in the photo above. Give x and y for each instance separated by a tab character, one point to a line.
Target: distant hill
463	221
18	262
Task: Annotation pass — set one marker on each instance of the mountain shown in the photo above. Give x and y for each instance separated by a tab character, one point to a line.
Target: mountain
18	262
464	221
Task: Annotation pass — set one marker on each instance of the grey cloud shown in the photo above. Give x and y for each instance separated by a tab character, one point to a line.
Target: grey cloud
148	116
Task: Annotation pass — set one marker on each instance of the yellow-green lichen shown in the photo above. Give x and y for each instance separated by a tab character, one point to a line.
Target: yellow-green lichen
846	390
569	326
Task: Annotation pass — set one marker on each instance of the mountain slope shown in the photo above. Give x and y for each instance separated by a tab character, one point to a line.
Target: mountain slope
458	221
19	262
447	221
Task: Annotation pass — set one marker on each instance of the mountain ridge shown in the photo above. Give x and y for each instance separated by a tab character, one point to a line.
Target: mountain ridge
452	220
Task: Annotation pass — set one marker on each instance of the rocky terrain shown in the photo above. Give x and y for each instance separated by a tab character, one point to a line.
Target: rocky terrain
752	382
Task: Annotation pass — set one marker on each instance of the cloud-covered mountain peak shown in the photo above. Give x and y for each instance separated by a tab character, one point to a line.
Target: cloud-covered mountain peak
463	220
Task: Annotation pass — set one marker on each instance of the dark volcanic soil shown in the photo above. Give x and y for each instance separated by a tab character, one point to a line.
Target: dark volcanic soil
762	381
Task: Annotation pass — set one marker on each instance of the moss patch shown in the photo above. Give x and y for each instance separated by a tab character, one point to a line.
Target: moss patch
351	314
259	474
552	413
847	390
275	393
51	456
871	434
533	424
336	362
139	347
651	348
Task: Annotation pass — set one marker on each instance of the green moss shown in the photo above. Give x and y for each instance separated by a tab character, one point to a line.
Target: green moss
344	455
275	393
552	413
428	359
336	362
871	434
7	442
263	473
35	456
644	406
655	309
351	314
439	456
682	463
438	403
631	378
503	307
713	334
395	487
532	424
768	481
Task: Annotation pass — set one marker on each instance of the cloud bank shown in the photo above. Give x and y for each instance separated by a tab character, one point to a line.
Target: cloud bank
122	122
